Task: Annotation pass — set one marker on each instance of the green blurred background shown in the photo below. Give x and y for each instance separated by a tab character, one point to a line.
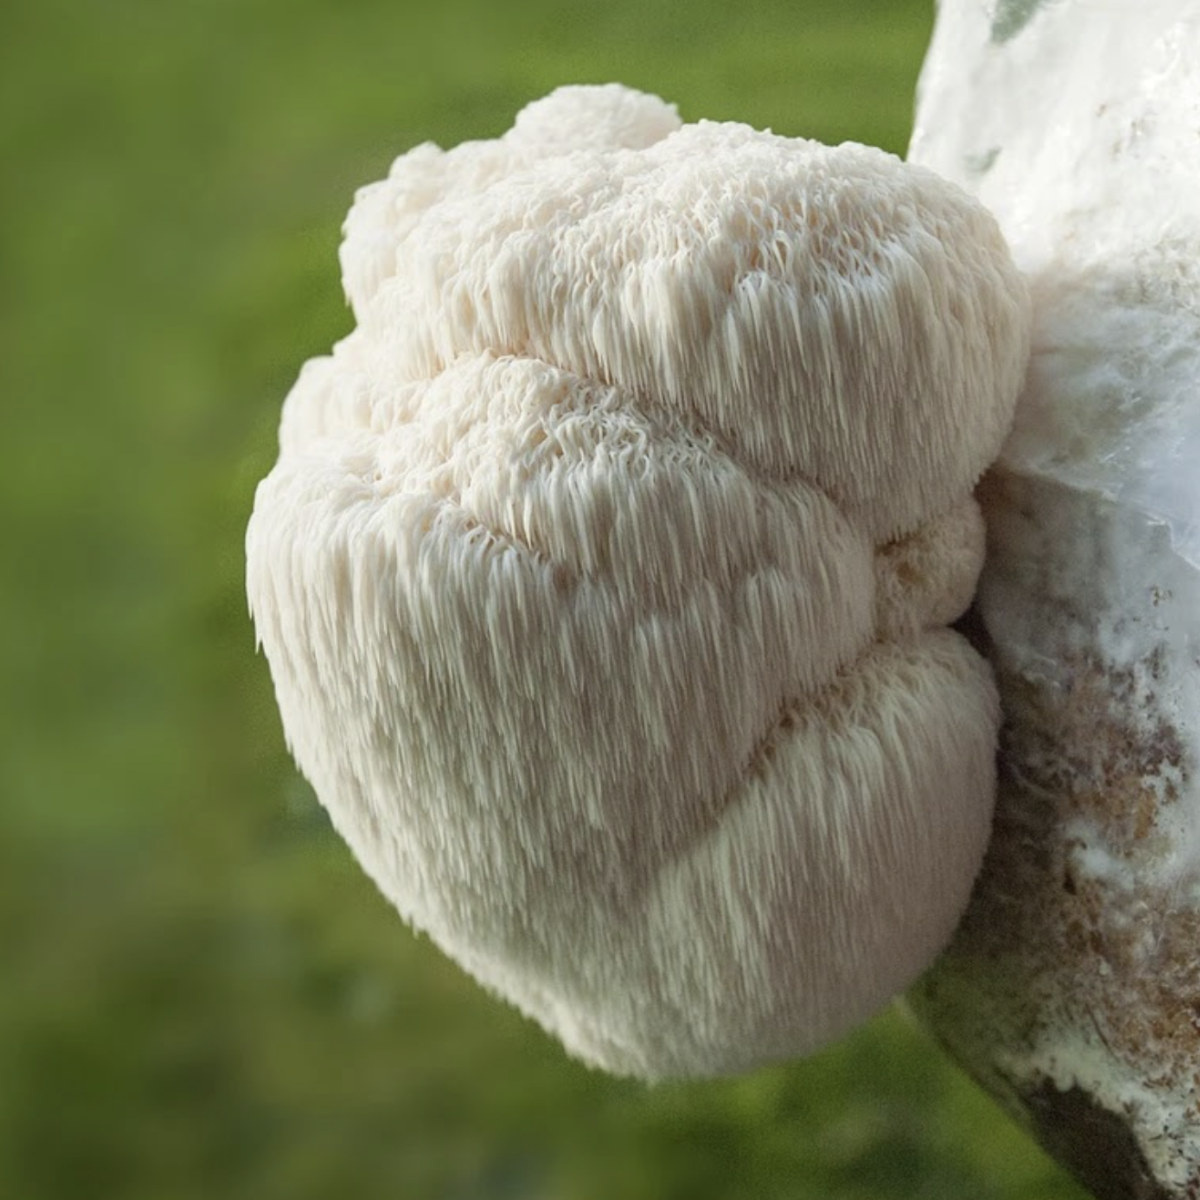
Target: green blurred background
200	995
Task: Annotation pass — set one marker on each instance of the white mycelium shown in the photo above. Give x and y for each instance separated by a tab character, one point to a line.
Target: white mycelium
1076	978
605	568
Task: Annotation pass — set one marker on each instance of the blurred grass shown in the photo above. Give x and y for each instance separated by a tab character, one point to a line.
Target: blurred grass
200	995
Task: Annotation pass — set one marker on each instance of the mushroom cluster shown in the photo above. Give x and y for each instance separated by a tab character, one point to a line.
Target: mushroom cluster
605	571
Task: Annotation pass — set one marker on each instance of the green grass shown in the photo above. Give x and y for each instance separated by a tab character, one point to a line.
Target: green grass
201	996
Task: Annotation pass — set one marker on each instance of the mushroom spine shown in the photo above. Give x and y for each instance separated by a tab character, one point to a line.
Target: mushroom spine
605	570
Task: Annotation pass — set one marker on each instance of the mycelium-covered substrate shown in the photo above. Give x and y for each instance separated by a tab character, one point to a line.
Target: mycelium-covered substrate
1073	987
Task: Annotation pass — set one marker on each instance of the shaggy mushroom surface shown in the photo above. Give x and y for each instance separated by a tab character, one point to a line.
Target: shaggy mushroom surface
605	571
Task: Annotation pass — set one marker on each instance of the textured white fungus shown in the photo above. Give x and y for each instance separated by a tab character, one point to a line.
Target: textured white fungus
603	571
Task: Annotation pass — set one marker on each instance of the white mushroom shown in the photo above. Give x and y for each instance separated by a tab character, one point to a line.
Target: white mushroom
602	573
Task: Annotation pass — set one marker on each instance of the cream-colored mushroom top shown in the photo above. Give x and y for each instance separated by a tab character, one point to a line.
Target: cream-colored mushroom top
605	570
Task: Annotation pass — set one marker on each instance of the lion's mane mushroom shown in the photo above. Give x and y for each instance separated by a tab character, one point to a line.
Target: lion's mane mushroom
604	570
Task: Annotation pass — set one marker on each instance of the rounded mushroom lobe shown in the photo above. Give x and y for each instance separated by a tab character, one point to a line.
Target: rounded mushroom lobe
603	571
568	121
829	311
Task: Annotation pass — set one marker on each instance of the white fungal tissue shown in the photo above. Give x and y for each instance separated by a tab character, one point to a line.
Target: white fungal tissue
605	571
